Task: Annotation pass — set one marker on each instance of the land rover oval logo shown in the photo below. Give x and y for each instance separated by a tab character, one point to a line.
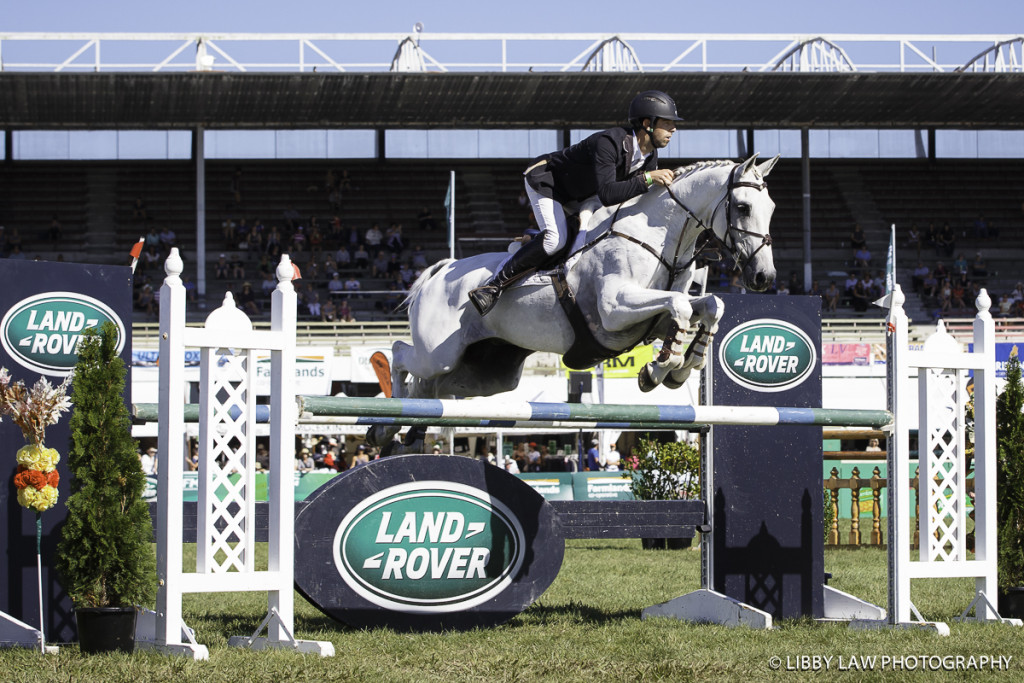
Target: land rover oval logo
42	332
429	546
767	355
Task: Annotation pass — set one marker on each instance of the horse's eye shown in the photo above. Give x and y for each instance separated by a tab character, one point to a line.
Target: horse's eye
743	209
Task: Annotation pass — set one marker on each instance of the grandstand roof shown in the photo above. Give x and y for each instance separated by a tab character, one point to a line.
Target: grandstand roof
505	100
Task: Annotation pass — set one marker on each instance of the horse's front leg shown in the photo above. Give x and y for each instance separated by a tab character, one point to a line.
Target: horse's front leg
708	310
632	306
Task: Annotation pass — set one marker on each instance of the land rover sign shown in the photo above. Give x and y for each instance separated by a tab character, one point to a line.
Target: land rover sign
767	355
42	332
426	542
429	547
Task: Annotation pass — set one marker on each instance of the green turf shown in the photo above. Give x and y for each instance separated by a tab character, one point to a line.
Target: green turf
587	626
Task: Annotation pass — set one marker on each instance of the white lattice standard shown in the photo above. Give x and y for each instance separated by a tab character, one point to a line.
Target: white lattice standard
226	507
942	368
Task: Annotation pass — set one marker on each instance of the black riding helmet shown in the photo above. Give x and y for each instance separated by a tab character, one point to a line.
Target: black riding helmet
652	104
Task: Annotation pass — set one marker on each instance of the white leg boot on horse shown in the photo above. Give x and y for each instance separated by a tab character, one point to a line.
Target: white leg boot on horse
530	256
673	367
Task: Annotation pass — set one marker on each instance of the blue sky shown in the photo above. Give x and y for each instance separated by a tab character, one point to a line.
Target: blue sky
520	16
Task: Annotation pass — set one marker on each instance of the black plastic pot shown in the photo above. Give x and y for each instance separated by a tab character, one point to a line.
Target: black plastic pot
106	629
1011	602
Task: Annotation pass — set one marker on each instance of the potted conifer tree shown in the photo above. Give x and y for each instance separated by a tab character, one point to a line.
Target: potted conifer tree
105	558
1010	507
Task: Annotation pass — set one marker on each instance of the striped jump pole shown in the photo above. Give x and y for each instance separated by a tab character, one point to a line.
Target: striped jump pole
506	414
502	414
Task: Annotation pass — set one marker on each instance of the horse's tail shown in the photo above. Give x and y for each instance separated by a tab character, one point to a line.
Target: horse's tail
421	281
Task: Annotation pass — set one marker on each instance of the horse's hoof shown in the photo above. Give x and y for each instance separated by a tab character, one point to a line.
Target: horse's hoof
393	447
672	382
645	380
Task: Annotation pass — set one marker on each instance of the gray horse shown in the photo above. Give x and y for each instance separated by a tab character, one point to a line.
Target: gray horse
628	284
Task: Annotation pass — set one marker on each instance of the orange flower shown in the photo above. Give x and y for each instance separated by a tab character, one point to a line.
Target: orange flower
53	479
33	478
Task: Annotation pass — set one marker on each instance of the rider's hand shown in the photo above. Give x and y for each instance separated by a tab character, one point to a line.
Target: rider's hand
662	176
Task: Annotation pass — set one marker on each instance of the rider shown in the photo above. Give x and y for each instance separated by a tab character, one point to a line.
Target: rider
615	164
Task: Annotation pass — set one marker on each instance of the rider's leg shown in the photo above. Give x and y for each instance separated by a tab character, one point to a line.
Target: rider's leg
551	220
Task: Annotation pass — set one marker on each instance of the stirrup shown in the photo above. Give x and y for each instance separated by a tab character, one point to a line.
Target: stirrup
484	298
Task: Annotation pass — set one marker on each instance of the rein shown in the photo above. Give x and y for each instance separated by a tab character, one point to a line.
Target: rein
673	268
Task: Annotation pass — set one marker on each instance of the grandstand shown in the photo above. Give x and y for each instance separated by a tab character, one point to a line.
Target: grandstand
93	199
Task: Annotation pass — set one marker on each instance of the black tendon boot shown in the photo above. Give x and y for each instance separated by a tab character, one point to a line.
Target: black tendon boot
529	256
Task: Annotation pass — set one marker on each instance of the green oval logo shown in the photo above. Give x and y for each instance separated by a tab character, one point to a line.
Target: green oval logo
429	546
767	355
42	332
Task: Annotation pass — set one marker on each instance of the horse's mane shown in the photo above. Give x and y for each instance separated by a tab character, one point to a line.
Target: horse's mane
684	171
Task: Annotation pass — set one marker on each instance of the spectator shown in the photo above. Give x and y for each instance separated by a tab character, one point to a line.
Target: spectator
148	460
857	238
246	300
419	258
862	258
55	233
920	273
228	231
152	239
291	217
221	269
316	240
960	265
831	297
981	228
361	257
373	236
914	239
298	242
946	241
380	264
313	302
794	285
191	292
395	241
145	300
336	285
931	237
167	239
237	267
979	268
273	242
139	210
930	285
426	220
329	312
268	284
352	284
861	296
345	312
342	258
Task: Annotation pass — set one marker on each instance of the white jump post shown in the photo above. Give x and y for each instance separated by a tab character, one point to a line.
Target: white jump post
226	526
942	515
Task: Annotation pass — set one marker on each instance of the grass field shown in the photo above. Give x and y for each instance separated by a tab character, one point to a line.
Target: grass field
587	626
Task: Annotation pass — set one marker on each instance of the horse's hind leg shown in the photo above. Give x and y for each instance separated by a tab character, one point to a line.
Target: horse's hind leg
383	436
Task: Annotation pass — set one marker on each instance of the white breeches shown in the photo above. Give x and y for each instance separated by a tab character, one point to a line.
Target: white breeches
550	220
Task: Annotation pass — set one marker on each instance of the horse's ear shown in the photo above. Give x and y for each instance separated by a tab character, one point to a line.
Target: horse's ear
766	168
748	164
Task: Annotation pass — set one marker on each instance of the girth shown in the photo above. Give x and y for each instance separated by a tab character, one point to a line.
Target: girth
586	351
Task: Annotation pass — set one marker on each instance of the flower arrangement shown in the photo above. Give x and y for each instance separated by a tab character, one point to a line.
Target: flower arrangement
33	410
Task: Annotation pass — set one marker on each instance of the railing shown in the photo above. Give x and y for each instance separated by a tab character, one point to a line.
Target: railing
414	51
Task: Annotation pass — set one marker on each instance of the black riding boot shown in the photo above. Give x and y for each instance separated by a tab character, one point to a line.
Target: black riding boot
529	256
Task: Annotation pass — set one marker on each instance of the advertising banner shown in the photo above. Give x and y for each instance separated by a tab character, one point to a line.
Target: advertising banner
44	309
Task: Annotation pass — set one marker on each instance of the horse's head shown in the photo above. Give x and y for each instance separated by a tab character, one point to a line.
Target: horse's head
741	222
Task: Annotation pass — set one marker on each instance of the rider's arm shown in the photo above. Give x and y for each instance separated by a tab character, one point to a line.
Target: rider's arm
610	190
